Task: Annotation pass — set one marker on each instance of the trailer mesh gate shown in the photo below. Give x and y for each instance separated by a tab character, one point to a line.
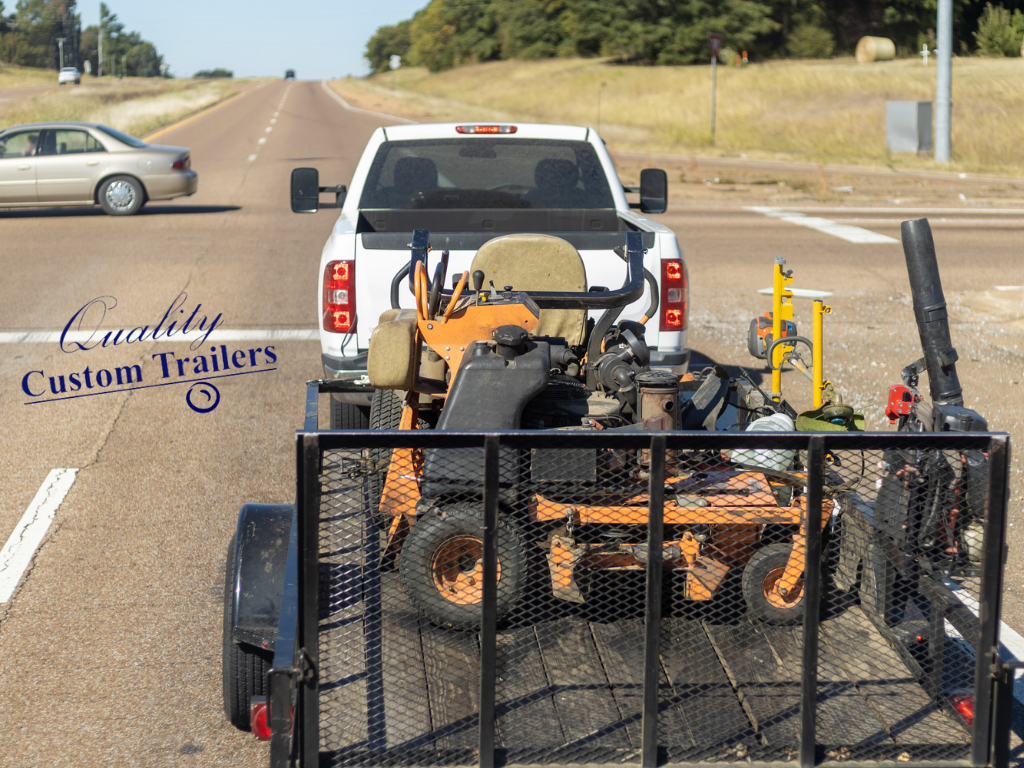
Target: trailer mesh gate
636	612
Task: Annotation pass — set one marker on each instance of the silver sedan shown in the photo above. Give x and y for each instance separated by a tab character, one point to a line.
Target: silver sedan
89	164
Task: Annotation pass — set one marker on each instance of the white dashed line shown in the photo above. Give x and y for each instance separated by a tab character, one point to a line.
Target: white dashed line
29	532
1009	639
847	232
84	337
276	114
269	129
273	120
251	158
262	140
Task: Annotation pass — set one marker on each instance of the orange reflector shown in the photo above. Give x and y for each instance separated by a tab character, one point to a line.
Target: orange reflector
965	706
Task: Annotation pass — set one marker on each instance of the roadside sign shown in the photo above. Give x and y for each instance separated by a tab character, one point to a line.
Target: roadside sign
395	61
715	41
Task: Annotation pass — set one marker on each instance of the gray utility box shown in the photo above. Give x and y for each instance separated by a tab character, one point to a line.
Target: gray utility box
908	126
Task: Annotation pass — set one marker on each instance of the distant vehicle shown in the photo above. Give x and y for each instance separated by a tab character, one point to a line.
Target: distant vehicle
89	164
289	74
69	75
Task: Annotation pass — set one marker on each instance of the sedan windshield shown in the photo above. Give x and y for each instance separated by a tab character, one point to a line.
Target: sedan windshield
486	173
124	138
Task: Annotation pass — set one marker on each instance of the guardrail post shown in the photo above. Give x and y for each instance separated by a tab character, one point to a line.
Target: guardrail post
489	613
308	519
991	591
812	602
652	623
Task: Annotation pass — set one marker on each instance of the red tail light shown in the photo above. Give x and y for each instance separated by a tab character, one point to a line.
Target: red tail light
340	296
182	163
485	129
258	720
965	706
673	295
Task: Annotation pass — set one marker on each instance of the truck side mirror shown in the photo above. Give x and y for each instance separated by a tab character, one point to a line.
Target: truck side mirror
305	190
653	190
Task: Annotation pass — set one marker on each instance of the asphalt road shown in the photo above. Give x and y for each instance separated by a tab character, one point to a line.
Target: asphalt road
110	646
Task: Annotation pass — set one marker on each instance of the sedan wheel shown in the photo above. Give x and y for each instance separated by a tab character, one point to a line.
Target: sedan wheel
121	196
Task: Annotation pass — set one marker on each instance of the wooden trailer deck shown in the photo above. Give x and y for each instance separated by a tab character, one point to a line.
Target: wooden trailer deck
397	690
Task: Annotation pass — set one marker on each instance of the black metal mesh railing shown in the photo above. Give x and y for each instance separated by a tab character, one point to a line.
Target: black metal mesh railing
566	598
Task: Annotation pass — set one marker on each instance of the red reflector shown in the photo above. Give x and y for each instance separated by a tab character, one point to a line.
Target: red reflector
673	295
181	164
339	298
965	706
258	720
485	129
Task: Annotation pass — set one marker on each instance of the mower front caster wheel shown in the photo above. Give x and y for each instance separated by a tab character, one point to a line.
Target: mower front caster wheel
441	566
760	577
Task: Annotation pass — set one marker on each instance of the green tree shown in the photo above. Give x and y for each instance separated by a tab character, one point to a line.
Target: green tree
387	42
1000	33
809	41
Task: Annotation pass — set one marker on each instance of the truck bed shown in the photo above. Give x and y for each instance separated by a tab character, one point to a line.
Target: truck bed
397	690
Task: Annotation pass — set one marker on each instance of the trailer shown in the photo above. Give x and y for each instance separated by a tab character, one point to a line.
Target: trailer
888	663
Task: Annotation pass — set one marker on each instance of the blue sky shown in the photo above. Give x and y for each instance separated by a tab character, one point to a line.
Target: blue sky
316	38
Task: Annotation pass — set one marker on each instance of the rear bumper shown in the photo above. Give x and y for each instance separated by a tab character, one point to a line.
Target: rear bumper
169	185
675	362
347	369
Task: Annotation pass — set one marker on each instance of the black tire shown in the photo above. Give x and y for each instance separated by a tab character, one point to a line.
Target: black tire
385	413
244	667
349	416
449	542
121	196
760	573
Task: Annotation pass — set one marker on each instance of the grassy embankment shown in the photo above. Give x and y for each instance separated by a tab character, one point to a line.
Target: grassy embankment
134	105
832	111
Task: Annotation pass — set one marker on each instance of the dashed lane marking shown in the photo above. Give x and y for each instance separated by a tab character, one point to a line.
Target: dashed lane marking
47	337
251	158
1009	639
847	232
29	532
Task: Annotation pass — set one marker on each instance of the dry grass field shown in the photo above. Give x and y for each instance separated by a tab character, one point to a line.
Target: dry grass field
134	105
13	77
832	111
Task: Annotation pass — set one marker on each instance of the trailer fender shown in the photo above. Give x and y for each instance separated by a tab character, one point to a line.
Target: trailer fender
261	550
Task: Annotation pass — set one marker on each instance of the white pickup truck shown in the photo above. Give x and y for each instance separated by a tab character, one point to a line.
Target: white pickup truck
467	184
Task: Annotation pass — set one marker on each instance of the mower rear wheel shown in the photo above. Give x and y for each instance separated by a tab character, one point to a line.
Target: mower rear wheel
349	416
244	667
760	576
441	566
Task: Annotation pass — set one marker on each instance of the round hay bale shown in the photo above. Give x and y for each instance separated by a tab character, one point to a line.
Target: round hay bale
875	49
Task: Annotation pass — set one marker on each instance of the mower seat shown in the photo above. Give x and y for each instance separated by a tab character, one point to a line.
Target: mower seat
539	263
391	360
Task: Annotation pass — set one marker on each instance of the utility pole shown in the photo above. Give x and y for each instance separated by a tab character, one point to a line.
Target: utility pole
60	43
943	81
715	41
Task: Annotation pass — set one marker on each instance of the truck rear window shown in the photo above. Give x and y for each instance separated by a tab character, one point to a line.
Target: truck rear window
486	173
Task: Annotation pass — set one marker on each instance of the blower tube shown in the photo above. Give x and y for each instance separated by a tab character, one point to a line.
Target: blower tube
930	311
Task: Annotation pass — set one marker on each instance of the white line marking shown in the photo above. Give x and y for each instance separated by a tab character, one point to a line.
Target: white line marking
47	337
843	231
251	158
269	129
30	530
273	120
350	108
798	293
261	140
276	114
894	209
1009	639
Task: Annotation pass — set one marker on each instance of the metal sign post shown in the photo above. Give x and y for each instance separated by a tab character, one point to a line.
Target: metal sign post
943	78
715	41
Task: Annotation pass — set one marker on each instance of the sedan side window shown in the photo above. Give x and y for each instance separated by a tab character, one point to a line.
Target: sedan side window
66	143
21	144
92	144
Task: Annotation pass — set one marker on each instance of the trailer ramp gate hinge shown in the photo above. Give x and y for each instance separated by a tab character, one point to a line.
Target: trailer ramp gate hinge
303	669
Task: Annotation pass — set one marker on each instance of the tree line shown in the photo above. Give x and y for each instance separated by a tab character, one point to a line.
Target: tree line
449	33
30	37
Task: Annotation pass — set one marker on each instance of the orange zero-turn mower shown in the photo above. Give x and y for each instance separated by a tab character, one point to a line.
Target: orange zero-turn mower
524	356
